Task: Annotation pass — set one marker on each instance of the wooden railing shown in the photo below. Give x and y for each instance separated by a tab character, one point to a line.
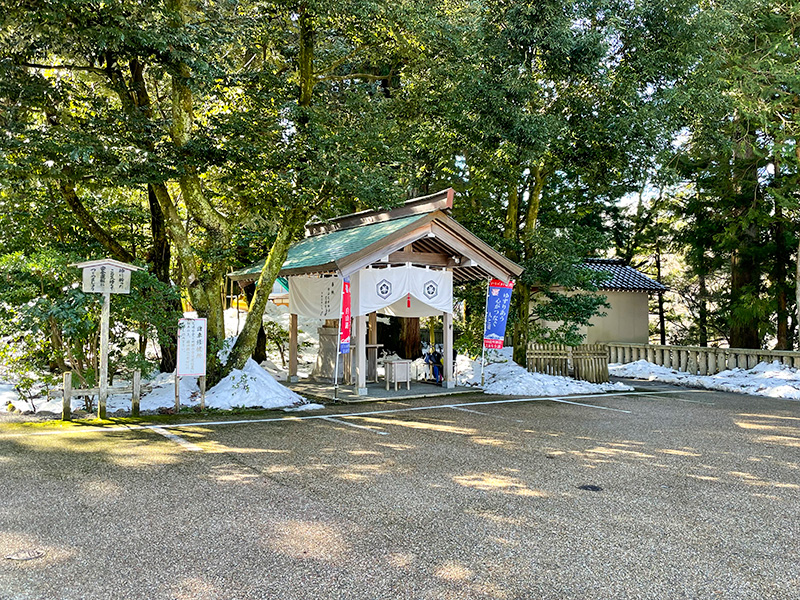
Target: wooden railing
698	360
588	362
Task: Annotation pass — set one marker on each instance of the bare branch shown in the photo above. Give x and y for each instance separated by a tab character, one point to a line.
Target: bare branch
365	76
97	70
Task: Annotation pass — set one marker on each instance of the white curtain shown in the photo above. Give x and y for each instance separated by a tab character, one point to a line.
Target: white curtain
315	297
388	290
397	291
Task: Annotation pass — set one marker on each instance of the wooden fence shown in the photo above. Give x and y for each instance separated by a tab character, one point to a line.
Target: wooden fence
698	360
68	392
588	362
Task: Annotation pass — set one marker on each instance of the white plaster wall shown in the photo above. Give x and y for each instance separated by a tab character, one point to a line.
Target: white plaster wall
626	321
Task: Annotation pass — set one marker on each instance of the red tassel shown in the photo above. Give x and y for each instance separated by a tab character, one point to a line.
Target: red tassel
408	301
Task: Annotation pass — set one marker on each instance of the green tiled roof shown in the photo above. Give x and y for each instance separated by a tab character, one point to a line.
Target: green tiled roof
330	247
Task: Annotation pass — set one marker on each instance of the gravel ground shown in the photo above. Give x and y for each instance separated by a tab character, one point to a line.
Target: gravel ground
687	495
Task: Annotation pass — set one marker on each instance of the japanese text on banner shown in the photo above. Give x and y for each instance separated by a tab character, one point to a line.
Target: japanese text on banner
498	302
344	341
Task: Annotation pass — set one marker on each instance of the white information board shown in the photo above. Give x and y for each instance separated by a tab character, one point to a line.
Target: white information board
106	278
191	347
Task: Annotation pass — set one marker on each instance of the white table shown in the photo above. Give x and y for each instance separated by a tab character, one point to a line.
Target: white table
398	371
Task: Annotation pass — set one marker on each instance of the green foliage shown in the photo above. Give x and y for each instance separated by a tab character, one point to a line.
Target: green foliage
278	336
50	324
564	291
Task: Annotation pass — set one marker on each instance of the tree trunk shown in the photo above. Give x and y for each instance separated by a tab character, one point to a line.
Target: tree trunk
523	292
745	267
702	317
662	330
779	280
260	350
410	340
159	260
246	342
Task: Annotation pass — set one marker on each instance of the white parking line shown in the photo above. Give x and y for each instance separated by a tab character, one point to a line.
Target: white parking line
564	399
484	414
592	406
177	439
332	420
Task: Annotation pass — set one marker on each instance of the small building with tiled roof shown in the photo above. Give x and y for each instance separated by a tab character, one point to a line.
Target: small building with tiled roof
627	290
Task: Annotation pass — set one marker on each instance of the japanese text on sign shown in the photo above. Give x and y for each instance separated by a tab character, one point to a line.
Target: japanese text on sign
498	302
191	347
106	279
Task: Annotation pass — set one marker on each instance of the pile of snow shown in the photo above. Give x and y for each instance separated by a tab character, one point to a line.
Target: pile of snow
773	380
504	376
251	387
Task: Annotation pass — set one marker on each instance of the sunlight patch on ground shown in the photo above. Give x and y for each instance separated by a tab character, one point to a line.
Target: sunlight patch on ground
489	441
440	427
498	519
453	571
12	542
679	452
616	452
308	540
232	473
490	482
194	588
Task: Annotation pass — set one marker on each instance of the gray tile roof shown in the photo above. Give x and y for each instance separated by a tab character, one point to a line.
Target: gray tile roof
623	278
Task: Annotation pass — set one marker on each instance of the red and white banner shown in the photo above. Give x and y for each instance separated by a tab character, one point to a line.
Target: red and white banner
345	321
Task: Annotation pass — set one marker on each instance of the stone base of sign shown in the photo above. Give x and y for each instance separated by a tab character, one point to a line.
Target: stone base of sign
362	391
449	384
326	357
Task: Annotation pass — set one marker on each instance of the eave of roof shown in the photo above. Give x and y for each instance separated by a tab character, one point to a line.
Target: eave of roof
623	278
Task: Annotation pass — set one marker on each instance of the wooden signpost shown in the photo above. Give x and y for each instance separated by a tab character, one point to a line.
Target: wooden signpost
105	276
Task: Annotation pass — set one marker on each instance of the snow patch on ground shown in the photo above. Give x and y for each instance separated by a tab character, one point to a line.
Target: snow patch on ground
505	377
773	380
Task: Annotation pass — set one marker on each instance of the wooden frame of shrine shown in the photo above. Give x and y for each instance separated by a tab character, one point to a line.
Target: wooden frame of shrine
402	261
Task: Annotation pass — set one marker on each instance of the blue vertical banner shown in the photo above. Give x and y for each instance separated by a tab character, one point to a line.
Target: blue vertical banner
498	302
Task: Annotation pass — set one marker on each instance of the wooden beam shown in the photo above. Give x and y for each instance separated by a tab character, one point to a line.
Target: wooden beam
422	258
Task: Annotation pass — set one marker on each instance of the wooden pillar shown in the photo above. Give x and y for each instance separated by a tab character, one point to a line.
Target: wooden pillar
447	359
66	401
103	395
361	354
293	348
136	392
372	336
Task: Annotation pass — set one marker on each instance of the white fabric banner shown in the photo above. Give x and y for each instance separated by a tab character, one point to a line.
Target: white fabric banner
403	291
397	291
315	297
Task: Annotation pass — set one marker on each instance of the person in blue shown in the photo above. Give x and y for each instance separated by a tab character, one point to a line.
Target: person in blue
434	359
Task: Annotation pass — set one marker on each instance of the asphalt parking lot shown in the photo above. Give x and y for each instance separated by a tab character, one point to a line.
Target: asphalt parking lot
664	493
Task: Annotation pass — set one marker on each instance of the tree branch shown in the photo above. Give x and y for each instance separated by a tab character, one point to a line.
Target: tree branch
88	221
63	67
365	76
